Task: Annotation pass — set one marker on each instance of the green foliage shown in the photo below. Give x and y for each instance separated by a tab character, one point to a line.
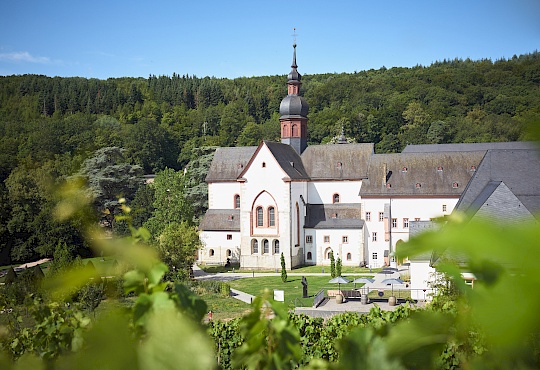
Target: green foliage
91	295
196	191
283	269
142	205
170	204
212	286
177	247
338	267
332	265
227	338
148	145
483	248
21	290
63	258
58	330
110	178
269	343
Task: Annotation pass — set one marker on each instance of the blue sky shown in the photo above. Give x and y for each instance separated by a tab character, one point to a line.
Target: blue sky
117	38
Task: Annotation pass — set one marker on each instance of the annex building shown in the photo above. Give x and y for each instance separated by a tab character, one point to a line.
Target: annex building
306	201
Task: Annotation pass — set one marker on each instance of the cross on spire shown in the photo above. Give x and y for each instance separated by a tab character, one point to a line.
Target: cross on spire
294	66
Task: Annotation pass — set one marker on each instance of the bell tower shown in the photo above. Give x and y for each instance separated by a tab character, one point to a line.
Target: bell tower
293	111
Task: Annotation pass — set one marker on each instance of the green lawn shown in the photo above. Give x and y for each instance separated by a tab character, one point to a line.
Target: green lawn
225	308
292	289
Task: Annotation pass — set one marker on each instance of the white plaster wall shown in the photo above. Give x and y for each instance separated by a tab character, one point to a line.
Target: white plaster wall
354	245
310	247
261	260
217	240
411	208
321	192
221	194
268	179
421	276
297	247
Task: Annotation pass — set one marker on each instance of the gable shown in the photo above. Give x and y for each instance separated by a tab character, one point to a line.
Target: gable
501	204
275	160
517	169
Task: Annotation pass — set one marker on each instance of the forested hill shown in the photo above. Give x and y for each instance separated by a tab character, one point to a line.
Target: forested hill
155	118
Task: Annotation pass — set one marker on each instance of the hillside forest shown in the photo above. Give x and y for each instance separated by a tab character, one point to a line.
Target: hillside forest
112	132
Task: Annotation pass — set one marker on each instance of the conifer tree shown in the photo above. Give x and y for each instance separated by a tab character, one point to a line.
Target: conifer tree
10	276
38	272
338	267
332	265
283	269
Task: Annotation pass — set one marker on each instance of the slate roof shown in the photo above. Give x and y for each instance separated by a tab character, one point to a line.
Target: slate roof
518	169
221	220
321	216
228	163
437	174
288	159
337	161
468	147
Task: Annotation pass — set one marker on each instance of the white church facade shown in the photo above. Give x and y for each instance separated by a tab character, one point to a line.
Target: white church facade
306	201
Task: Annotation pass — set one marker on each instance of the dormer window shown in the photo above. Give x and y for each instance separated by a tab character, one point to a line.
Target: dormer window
418	185
335	198
388	186
473	168
455	185
338	165
404	169
231	217
439	169
240	166
334	215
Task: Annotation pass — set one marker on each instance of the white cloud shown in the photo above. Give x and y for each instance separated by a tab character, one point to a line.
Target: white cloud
23	56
